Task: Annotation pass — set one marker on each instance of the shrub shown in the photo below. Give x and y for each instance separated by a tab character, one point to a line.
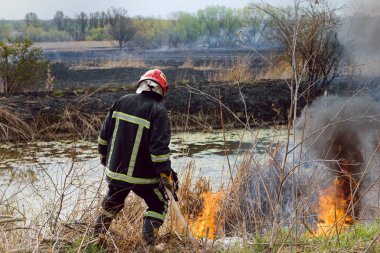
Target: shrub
22	67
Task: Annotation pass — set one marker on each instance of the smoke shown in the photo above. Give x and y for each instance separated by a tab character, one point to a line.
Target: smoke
344	135
337	140
361	35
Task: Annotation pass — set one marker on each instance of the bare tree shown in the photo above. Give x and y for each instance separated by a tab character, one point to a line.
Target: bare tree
121	26
318	51
102	19
59	20
82	20
94	19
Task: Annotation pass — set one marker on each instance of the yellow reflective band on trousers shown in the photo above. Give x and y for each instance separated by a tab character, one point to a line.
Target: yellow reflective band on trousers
162	199
154	215
102	142
160	158
131	118
131	180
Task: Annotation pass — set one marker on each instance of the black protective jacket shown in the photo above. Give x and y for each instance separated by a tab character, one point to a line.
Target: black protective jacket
135	139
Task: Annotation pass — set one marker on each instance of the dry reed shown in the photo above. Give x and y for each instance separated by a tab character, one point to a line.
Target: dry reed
12	126
239	71
128	62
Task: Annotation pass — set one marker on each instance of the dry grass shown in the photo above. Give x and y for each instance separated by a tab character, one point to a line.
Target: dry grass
187	64
128	62
238	72
72	121
55	210
12	126
76	45
125	232
55	230
212	65
280	70
63	221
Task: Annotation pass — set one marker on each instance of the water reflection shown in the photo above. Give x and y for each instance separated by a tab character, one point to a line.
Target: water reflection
24	161
35	177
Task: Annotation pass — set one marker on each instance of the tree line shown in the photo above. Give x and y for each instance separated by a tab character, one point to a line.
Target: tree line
213	26
307	38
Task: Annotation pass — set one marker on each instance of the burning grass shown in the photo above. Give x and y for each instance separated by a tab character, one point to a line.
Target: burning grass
336	202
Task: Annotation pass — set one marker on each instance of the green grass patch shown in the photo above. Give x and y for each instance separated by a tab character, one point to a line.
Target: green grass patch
356	238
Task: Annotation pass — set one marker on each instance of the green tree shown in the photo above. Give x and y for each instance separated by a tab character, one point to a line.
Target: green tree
229	23
187	28
151	33
209	26
22	67
31	19
98	34
71	27
5	30
254	23
121	26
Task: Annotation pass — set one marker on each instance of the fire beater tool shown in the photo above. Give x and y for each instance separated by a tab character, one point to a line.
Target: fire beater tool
180	216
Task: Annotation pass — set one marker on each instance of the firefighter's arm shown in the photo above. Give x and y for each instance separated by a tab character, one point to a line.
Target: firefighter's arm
159	140
103	138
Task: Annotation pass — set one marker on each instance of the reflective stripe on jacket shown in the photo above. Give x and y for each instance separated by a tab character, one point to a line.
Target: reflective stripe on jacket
135	138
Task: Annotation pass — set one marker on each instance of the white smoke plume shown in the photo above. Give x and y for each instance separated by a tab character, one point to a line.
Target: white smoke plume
361	35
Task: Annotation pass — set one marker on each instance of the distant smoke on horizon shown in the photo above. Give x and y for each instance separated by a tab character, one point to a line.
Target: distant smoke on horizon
361	36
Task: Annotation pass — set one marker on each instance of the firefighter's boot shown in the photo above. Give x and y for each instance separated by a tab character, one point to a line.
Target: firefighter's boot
150	230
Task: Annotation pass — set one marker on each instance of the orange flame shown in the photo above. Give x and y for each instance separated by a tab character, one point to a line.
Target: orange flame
205	225
334	211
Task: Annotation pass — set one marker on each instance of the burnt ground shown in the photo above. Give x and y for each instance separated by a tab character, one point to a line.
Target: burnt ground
193	100
194	106
205	63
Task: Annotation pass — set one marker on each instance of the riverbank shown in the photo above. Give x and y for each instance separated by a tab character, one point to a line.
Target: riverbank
192	106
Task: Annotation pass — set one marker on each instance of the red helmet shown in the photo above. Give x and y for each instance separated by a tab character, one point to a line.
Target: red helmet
157	76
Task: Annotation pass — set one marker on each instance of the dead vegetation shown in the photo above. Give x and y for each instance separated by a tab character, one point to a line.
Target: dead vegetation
251	207
239	71
128	62
13	126
279	70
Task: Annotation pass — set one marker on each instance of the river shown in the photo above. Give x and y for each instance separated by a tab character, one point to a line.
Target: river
68	172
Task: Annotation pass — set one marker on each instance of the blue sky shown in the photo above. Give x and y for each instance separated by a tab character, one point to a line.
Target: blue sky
45	9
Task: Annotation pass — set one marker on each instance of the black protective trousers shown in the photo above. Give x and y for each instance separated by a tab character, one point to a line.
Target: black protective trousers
153	196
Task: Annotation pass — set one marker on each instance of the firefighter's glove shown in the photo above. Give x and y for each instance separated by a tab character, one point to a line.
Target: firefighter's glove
166	181
170	181
103	160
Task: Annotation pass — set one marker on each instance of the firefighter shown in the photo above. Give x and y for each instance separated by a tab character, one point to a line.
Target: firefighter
134	148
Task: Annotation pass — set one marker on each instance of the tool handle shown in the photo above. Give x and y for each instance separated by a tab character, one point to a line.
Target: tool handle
179	215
